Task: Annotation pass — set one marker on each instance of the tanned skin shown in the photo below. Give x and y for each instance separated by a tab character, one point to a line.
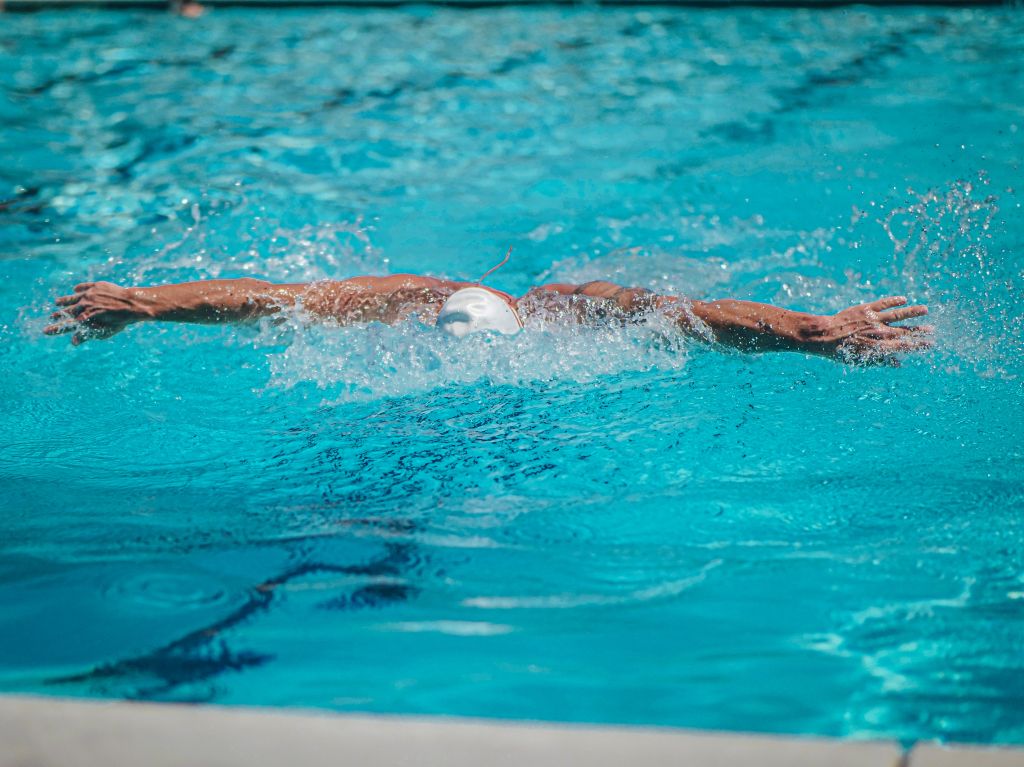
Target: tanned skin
97	310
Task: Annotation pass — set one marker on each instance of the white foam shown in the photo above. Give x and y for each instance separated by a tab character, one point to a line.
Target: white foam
373	360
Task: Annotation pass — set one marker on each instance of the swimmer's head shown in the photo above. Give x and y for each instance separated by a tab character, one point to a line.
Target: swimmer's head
476	310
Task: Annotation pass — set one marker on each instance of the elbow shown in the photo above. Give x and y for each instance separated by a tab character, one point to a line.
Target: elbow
250	298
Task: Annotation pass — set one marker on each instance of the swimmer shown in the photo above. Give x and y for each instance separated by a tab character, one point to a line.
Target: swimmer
864	333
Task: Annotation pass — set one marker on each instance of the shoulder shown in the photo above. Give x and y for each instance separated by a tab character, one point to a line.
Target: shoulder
400	282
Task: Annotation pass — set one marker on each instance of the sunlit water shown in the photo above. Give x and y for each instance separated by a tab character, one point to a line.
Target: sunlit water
601	525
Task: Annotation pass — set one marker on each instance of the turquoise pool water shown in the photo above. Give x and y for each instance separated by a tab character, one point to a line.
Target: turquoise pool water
567	525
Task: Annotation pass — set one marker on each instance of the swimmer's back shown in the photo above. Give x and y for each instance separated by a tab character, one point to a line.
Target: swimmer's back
384	299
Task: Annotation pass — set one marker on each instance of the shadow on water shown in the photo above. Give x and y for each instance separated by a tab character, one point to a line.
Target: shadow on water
203	655
879	58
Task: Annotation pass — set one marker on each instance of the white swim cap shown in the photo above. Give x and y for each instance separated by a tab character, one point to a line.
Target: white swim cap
473	310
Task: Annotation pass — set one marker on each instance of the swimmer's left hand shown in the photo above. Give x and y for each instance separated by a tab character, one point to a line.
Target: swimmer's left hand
867	333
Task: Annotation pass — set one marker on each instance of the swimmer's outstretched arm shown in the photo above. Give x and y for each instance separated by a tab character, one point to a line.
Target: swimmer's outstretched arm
101	309
864	332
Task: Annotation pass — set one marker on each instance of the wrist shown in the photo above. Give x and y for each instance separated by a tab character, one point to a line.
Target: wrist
812	329
818	335
145	304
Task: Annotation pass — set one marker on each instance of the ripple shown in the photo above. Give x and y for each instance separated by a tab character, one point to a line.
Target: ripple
666	590
168	590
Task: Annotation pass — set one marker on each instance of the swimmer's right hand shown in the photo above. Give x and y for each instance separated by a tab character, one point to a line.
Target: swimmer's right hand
96	310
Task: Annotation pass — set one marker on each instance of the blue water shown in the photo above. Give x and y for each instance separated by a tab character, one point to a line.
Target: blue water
583	525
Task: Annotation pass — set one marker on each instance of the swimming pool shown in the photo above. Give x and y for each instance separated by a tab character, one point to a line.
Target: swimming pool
566	525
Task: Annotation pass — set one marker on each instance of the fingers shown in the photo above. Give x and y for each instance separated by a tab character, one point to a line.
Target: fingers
60	328
80	318
83	321
883	332
68	326
77	312
86	318
80	321
74	298
906	313
901	331
869	350
72	311
887	303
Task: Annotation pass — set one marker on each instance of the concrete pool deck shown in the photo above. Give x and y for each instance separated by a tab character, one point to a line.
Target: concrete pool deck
52	732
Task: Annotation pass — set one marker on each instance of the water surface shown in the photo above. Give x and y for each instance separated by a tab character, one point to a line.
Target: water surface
568	525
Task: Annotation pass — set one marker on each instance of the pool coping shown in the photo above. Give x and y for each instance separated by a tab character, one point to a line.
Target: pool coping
53	732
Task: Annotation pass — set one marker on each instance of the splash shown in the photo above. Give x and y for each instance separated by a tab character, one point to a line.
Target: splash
707	256
238	237
942	250
370	361
941	255
942	232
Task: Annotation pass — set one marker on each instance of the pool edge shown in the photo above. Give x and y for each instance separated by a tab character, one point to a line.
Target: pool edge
46	731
